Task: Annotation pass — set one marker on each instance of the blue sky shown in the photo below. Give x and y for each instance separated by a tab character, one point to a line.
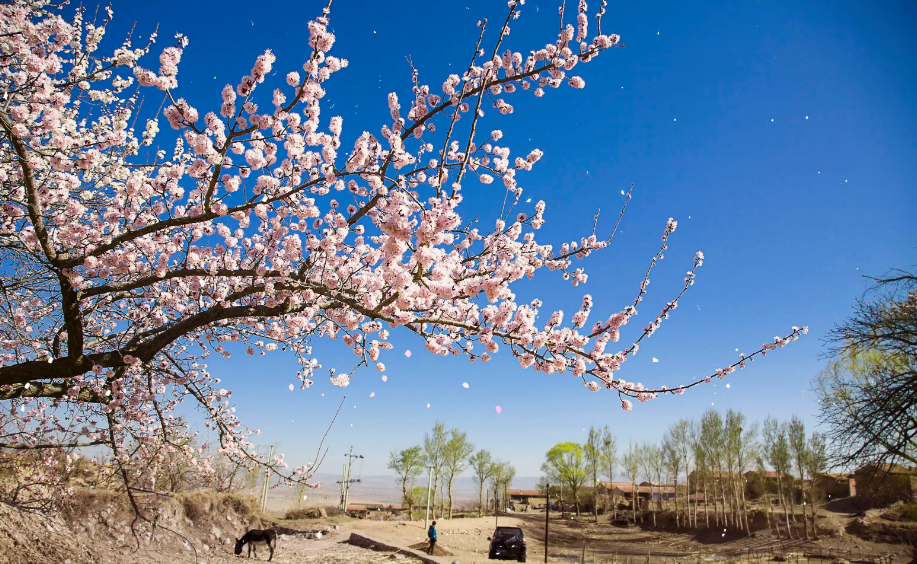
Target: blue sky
781	136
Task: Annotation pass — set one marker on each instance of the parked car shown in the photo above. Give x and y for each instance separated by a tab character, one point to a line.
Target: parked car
507	543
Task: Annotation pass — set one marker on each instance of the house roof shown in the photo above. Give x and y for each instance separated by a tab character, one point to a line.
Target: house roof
356	508
656	489
526	493
620	485
884	469
772	474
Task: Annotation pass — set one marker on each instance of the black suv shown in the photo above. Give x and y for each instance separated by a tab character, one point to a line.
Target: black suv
507	542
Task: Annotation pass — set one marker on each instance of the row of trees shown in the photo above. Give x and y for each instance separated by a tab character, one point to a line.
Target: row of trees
702	464
446	453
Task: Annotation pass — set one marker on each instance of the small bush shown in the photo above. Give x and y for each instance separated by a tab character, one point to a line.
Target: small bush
306	513
908	512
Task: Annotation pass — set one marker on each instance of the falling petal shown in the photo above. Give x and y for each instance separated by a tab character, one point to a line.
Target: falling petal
428	406
727	385
499	409
291	387
384	378
407	353
372	394
465	384
655	359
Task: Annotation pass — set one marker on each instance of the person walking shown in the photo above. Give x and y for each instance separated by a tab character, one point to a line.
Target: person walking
431	534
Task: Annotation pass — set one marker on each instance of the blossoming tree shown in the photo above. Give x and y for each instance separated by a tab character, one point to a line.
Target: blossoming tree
125	266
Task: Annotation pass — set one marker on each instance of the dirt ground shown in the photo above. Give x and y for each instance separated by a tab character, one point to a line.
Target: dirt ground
28	539
466	539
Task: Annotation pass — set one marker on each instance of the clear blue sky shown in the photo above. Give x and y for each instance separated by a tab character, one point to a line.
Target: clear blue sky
781	135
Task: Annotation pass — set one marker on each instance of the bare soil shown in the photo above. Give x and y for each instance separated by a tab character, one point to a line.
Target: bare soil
203	527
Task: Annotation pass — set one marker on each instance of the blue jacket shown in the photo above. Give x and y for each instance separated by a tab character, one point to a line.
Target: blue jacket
431	533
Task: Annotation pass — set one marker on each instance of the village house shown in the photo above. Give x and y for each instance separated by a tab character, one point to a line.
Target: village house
885	484
759	483
532	498
834	486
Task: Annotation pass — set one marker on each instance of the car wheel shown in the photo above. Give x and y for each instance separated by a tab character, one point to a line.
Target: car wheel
490	556
522	559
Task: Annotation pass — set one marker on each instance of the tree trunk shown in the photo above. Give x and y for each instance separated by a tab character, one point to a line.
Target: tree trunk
595	500
769	513
814	509
781	499
740	522
677	518
633	502
745	512
481	499
706	512
451	479
716	505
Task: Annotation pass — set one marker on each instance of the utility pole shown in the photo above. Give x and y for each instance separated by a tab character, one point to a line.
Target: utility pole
426	516
547	512
346	481
343	479
267	480
496	506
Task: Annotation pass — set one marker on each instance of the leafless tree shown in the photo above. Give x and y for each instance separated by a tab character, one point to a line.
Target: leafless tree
868	392
609	461
592	452
631	466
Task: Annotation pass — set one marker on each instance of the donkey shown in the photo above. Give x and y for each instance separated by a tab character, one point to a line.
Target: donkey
268	537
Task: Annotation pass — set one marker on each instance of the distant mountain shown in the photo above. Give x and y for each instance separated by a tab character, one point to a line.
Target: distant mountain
377	489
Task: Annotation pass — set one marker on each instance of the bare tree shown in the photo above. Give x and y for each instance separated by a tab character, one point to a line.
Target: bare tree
816	464
609	461
592	451
777	454
867	394
699	451
652	463
672	447
631	466
712	440
740	438
796	436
